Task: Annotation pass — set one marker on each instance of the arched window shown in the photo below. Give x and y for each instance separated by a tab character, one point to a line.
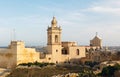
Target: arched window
56	38
77	52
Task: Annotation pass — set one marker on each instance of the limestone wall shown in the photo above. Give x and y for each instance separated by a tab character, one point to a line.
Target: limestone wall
26	55
16	53
48	58
7	58
56	53
65	58
68	44
73	52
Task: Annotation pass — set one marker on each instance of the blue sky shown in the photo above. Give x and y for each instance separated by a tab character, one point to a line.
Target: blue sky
79	19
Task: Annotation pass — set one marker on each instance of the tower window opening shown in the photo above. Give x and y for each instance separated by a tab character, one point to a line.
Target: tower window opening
56	38
78	52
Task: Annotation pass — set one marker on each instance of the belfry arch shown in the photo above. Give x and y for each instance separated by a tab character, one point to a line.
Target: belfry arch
56	38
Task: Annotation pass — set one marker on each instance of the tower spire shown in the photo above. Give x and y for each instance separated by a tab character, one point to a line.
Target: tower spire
54	22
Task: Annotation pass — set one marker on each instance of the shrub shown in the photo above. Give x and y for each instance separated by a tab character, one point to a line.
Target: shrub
36	64
91	64
109	70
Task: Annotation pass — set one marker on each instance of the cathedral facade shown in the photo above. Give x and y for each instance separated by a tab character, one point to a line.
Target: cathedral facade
56	50
61	51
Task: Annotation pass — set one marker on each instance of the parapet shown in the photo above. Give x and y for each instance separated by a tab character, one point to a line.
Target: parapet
16	43
68	44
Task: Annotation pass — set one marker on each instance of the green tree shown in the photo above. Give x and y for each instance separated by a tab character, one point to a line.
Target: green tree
109	71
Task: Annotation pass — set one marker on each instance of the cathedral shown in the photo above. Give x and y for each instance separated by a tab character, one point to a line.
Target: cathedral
56	51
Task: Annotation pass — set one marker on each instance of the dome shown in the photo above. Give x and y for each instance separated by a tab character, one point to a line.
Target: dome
54	21
96	37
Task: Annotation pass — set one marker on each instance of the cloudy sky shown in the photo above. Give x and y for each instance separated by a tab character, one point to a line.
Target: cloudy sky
79	19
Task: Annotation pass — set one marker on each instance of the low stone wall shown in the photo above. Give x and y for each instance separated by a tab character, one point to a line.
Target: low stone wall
67	75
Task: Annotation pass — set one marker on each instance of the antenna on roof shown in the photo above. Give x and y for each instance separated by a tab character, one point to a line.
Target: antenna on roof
14	34
11	36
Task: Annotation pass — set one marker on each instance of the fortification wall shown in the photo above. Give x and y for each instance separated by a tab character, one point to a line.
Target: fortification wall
7	58
25	55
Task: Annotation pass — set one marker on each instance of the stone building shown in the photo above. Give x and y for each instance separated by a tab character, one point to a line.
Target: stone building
96	41
56	50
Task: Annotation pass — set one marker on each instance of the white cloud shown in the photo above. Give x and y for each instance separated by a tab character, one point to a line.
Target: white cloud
105	7
107	10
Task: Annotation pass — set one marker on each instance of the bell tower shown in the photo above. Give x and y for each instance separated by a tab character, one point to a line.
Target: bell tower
54	41
54	33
